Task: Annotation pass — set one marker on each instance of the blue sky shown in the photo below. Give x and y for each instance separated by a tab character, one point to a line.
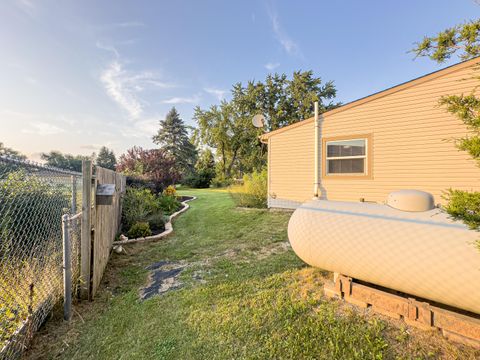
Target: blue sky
76	75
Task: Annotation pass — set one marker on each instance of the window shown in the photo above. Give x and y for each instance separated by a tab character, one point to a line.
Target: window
346	156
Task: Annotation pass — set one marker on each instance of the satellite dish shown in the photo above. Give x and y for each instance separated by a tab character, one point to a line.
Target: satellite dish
258	121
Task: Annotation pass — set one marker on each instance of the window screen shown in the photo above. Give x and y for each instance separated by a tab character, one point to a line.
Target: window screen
346	156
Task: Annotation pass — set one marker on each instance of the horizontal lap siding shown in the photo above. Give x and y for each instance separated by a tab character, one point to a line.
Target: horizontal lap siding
412	142
412	146
291	160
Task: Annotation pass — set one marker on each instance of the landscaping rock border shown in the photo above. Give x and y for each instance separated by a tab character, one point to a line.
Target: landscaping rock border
168	226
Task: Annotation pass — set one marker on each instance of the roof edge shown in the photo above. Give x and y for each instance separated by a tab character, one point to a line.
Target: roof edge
377	95
288	127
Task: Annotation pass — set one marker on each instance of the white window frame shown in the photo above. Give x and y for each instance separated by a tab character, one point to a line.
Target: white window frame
365	157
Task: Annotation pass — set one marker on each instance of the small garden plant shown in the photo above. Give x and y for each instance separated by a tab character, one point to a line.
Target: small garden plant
145	213
139	229
169	204
253	192
138	205
170	191
465	206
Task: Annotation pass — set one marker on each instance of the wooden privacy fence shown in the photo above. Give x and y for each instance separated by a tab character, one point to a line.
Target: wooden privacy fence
101	215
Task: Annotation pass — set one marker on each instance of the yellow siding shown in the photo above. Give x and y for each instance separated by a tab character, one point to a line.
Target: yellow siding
412	147
291	173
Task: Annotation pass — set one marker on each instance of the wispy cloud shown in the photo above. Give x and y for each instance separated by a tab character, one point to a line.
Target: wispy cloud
27	6
120	89
288	44
118	25
26	3
93	147
105	47
44	124
96	147
140	128
127	42
271	66
37	118
182	100
42	129
128	24
124	86
218	93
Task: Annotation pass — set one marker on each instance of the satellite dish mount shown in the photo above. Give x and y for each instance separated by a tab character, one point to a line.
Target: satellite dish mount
258	121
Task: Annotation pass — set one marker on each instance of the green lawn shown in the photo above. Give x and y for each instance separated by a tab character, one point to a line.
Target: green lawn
245	295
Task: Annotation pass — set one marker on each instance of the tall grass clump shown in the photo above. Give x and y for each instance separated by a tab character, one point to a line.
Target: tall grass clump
253	192
27	289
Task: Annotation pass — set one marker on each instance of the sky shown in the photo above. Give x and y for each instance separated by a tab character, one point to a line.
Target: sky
76	75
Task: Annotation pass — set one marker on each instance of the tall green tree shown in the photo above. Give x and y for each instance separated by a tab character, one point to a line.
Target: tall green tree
172	137
154	165
464	41
283	101
224	128
106	158
204	170
206	161
65	161
6	151
6	166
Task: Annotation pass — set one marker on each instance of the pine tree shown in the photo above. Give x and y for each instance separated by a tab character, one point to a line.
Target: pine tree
206	161
172	137
106	158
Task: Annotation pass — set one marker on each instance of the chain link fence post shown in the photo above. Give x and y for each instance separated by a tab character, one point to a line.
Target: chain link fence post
67	269
74	195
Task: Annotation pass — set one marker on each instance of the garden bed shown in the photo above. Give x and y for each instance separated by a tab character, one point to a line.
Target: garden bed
168	225
183	200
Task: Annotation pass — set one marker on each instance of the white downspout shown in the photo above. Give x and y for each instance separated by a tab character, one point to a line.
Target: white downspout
316	184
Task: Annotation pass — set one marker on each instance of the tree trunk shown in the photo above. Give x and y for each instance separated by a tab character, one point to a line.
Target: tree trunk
234	157
224	161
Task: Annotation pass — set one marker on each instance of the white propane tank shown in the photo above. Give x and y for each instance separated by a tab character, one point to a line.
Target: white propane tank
419	251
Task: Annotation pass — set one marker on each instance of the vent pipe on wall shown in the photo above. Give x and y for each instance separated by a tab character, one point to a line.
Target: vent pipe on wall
316	184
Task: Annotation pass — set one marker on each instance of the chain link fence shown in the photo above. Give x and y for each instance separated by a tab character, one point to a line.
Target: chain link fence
33	199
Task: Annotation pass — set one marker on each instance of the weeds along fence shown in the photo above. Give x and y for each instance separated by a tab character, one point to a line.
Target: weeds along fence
33	201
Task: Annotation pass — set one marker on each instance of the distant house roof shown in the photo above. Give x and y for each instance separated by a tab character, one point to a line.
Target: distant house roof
377	95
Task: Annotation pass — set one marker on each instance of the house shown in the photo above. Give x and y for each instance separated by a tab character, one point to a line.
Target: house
399	138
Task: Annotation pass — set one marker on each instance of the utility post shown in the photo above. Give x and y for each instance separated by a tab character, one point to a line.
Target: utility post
316	184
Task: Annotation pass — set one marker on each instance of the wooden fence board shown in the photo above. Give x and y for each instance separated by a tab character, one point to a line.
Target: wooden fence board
86	237
106	223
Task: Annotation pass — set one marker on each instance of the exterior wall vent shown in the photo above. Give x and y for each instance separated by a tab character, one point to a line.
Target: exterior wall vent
411	200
